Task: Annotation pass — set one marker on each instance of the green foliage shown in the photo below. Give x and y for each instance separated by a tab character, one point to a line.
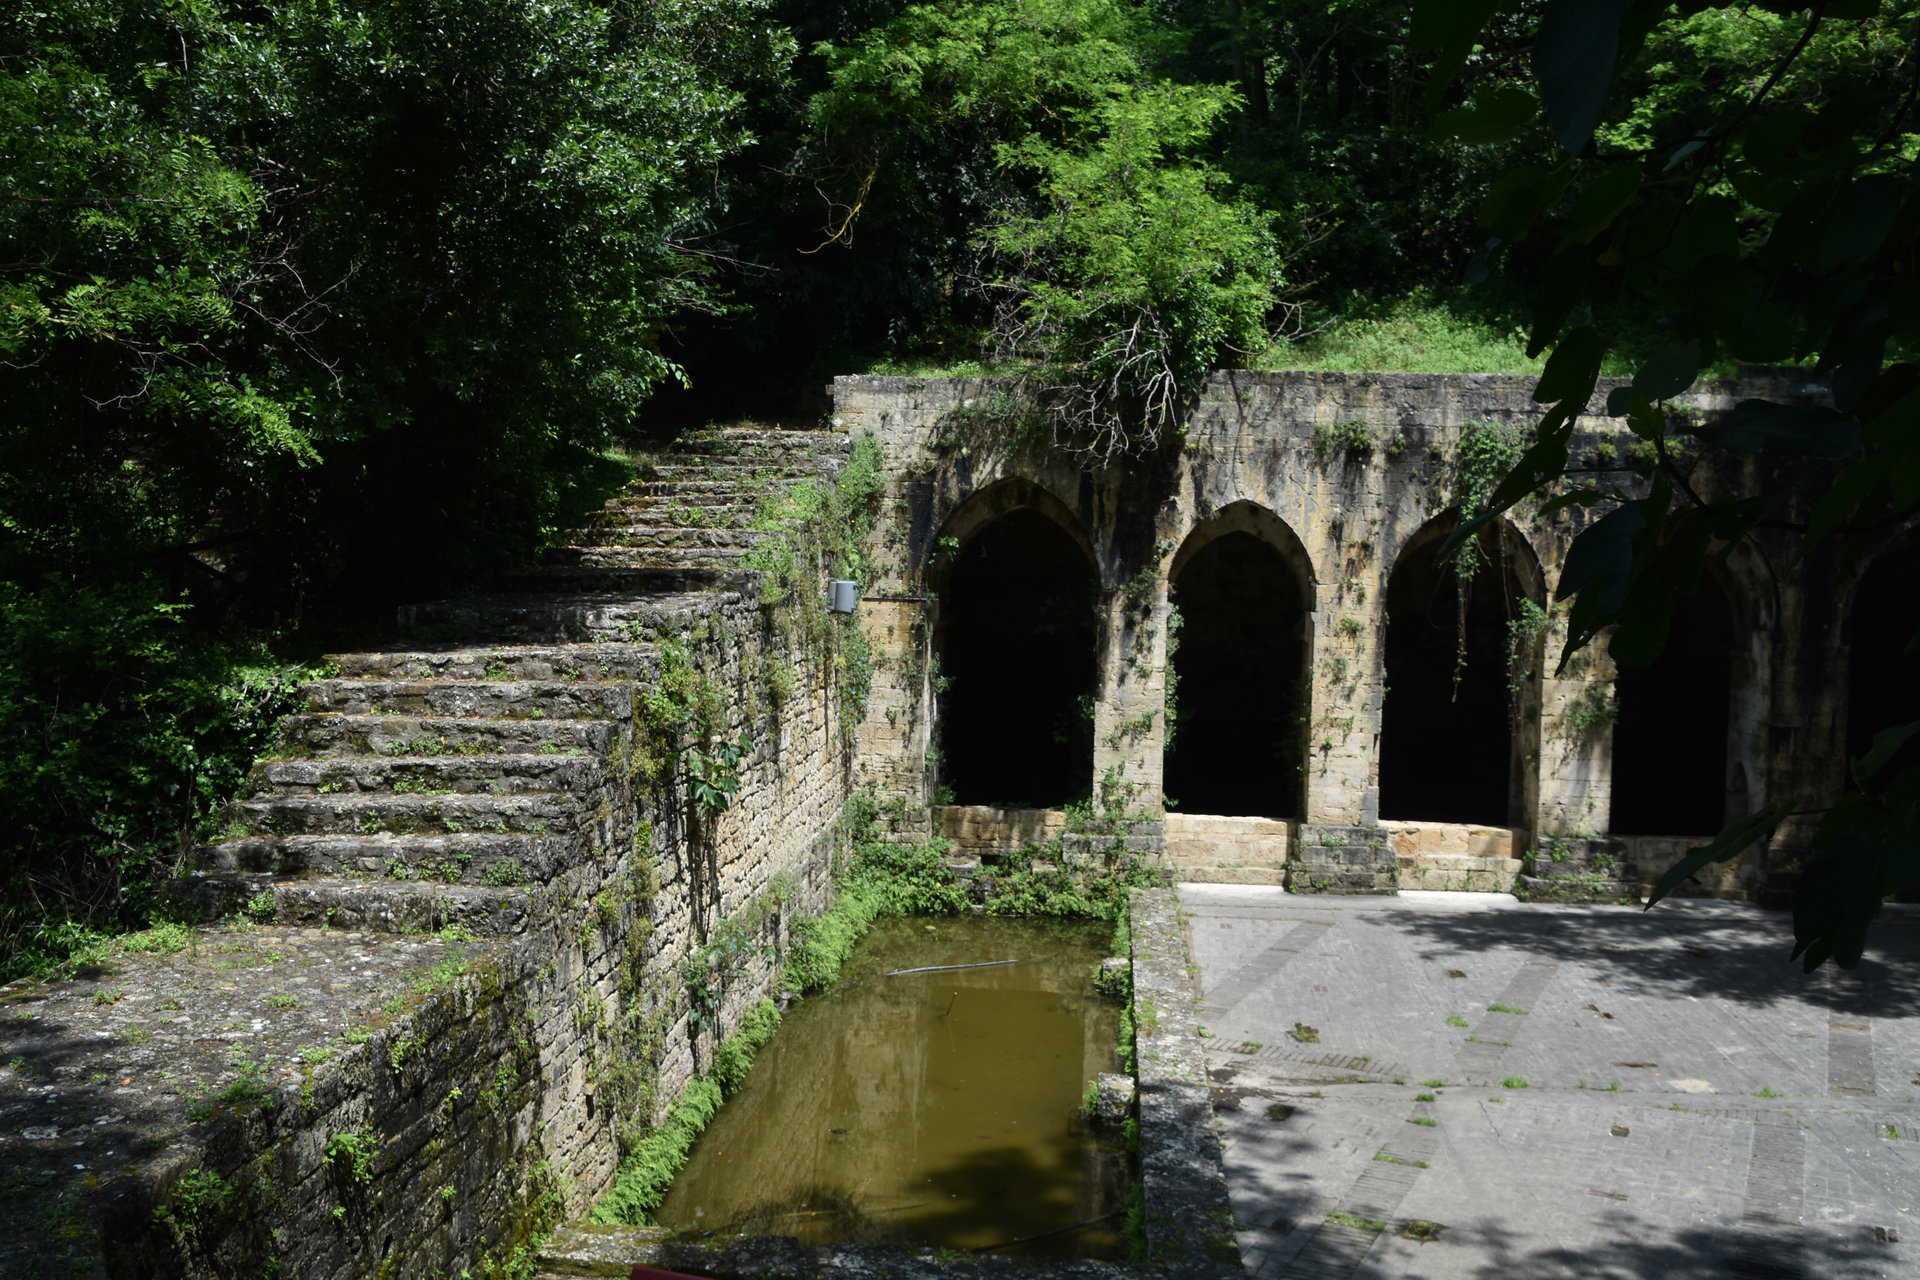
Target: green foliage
1348	437
1724	212
123	730
1422	332
350	1154
737	942
1103	251
1524	629
236	323
817	525
649	1170
1136	274
713	775
276	282
1073	893
199	1195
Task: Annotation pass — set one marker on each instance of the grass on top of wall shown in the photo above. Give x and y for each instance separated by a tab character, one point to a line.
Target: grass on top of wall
1420	333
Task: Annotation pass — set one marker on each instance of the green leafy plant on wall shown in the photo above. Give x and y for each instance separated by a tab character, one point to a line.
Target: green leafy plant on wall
713	775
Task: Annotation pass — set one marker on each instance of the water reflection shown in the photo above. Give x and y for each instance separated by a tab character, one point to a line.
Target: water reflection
936	1108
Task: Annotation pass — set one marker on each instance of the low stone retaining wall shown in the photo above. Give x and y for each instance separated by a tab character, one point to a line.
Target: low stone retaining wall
300	1102
1189	1221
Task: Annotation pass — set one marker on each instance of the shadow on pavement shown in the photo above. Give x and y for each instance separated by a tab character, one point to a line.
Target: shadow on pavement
1730	952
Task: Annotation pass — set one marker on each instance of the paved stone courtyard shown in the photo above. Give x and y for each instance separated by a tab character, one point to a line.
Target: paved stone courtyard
1557	1091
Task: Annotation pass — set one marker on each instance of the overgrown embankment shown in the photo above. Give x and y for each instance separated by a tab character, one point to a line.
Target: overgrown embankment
880	880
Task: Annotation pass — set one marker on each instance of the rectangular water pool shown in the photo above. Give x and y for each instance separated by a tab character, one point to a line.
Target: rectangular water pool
935	1108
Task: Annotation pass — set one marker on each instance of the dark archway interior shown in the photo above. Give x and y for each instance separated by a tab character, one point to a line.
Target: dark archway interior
1881	690
1446	755
1236	732
1017	649
1670	727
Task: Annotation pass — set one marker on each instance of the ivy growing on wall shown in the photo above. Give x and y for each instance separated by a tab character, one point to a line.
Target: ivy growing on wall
1486	453
815	530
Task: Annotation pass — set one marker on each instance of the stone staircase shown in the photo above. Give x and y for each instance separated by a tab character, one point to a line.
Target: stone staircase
457	780
442	929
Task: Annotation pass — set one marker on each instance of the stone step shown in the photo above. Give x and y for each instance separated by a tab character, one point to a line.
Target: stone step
571	580
726	502
560	617
369	814
1568	889
758	474
599	662
606	524
328	734
431	775
655	557
666	534
708	486
375	905
1454	839
1230	875
1458	875
762	442
469	858
1207	824
490	699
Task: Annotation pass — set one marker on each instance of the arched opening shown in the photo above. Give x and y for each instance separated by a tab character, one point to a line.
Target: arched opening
1236	688
1462	663
1881	689
1016	647
1670	726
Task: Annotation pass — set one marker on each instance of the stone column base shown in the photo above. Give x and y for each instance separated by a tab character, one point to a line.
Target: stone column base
1576	869
1143	842
1341	860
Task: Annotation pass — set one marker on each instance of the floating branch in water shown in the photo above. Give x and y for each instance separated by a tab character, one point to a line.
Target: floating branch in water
941	968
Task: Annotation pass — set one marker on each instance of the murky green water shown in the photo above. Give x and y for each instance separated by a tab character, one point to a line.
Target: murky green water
934	1108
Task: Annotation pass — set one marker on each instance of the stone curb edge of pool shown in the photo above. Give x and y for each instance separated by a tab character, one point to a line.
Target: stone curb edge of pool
1188	1218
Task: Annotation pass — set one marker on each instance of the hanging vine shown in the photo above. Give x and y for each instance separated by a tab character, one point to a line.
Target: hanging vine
1487	452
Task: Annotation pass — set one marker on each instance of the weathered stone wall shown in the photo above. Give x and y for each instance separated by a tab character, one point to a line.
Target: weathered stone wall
1269	453
488	1081
612	981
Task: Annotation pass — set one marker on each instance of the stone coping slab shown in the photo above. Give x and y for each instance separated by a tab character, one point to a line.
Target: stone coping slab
1189	1221
591	1249
115	1080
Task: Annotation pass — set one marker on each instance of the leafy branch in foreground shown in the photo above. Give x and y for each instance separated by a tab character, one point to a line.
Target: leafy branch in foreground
1770	216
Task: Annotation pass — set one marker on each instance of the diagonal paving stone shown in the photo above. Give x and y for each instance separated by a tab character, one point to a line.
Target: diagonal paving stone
1776	1181
1223	998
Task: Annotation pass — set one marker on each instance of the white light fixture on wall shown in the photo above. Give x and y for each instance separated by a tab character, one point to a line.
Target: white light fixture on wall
842	595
